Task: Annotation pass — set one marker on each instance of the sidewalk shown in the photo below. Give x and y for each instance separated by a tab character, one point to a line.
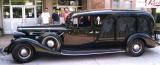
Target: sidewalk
5	40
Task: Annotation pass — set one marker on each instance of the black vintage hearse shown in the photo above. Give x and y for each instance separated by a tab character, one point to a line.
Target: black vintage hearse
86	33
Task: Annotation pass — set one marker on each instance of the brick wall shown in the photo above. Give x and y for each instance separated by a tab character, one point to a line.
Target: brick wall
108	4
48	4
98	4
84	4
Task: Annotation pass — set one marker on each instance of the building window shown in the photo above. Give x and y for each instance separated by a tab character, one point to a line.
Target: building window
39	7
6	10
17	2
39	2
22	2
63	2
29	12
39	10
115	4
68	2
127	4
72	5
17	12
6	2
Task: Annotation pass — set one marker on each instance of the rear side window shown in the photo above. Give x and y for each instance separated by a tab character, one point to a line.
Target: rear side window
144	24
125	26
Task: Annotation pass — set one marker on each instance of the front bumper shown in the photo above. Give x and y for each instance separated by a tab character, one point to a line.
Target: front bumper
4	51
8	49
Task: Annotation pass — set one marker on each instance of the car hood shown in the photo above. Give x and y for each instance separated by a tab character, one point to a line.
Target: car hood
42	28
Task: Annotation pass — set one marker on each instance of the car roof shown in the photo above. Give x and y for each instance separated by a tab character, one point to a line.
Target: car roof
108	11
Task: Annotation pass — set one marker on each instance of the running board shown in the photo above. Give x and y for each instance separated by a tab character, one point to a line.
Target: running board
91	52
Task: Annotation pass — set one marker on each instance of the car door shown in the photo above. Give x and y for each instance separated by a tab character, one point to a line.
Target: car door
81	31
107	29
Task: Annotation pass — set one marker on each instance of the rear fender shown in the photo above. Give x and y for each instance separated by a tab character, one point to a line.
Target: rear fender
149	42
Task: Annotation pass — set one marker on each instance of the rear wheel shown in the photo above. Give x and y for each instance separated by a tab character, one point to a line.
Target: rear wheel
135	48
23	53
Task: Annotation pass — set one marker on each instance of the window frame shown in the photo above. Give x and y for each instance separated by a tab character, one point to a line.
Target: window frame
4	12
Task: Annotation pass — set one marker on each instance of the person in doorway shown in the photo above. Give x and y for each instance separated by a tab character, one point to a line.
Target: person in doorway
55	17
39	19
45	17
66	13
62	21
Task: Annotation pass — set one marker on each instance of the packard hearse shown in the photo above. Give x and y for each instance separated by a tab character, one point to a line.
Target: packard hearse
86	33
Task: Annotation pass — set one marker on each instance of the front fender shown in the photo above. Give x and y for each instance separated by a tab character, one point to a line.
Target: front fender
148	40
37	46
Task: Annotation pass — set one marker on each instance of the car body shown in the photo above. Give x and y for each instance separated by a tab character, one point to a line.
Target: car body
86	33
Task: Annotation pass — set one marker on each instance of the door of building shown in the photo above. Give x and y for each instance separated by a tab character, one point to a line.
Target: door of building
21	16
16	17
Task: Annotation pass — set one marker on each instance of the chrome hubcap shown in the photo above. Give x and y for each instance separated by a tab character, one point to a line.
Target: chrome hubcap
24	53
136	48
50	43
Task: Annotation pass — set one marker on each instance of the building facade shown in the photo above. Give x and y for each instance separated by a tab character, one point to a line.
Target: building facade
14	13
1	20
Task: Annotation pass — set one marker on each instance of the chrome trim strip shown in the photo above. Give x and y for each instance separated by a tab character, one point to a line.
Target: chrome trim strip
93	53
61	33
56	28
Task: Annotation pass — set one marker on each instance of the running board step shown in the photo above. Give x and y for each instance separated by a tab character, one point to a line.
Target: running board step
91	52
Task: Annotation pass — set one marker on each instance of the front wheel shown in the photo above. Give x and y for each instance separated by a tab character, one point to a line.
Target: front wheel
53	42
23	53
135	48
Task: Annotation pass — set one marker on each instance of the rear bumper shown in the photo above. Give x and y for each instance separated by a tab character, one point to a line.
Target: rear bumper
151	43
156	35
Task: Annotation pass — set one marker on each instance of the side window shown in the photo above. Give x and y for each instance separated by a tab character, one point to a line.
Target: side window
143	24
88	21
125	26
107	24
82	21
107	30
98	20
